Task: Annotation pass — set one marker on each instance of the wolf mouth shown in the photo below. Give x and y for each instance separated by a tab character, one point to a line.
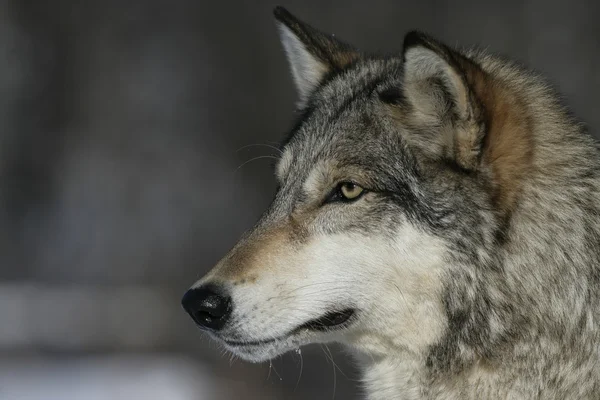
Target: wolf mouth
335	319
330	321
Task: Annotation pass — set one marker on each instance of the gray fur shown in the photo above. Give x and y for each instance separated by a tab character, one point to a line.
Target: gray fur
521	280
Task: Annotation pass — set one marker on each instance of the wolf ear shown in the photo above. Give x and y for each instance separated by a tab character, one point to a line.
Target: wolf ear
437	83
312	54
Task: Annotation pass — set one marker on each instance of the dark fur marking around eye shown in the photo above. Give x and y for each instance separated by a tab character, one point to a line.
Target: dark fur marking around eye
393	95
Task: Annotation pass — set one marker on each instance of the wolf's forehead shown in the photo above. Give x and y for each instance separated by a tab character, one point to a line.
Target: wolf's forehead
308	150
361	79
339	117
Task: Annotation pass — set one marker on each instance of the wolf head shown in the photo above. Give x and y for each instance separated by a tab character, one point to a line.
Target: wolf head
398	167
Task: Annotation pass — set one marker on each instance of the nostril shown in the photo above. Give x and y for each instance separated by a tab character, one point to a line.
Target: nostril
202	318
207	306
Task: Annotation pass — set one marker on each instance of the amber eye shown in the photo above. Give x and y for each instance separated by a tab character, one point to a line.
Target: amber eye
345	192
350	191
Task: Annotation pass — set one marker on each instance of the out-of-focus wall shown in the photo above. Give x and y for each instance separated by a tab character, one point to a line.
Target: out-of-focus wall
123	126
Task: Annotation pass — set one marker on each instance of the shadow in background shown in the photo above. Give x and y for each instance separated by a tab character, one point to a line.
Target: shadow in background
123	125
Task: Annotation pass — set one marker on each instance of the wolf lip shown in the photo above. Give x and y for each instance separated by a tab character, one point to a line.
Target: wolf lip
328	321
235	343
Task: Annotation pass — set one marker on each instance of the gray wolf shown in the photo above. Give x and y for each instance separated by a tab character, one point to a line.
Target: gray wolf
438	212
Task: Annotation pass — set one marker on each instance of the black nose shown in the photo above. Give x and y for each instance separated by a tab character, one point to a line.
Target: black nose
207	306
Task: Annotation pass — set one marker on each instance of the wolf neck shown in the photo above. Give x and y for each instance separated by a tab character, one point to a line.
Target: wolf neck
397	376
539	301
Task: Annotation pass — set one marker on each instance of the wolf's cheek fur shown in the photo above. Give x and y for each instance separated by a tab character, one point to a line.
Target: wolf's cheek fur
285	284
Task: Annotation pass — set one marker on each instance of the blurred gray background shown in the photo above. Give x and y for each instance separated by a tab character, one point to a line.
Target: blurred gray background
123	125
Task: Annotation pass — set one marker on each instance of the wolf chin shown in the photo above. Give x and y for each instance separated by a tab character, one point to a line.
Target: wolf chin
438	212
